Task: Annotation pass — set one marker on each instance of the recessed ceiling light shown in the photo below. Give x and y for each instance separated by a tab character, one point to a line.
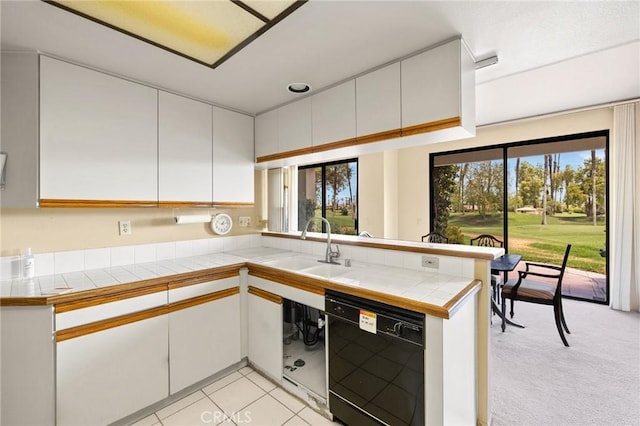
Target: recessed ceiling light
298	87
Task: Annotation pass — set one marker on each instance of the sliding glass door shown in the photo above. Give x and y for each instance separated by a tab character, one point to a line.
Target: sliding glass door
557	196
468	195
537	197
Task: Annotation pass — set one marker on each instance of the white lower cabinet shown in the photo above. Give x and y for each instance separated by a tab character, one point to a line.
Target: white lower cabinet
203	340
107	375
264	321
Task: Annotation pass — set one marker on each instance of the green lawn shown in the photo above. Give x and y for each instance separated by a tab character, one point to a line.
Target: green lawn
340	224
543	243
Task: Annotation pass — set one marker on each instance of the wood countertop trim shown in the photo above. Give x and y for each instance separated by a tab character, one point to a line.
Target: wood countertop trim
214	274
69	302
291	279
64	203
456	303
94	327
98	296
199	300
391	246
88	301
265	294
319	285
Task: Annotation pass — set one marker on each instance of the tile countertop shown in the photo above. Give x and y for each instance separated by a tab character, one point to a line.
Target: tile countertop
433	288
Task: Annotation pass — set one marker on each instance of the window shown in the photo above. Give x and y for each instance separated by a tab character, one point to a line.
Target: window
535	196
329	190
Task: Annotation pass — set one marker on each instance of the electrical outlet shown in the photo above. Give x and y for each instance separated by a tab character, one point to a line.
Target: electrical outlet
124	227
244	221
430	262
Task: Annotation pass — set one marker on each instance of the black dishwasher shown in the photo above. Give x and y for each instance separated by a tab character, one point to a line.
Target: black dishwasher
376	362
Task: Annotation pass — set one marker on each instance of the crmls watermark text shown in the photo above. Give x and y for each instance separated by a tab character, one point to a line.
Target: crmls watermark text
215	417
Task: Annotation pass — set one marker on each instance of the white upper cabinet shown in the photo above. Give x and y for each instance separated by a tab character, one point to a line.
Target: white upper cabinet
431	85
267	133
98	135
185	149
334	114
294	126
378	101
233	161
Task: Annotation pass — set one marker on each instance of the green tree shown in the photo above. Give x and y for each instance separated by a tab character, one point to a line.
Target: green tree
444	183
484	188
593	195
336	177
531	184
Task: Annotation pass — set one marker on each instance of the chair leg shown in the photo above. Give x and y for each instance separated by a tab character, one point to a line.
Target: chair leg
511	312
494	295
504	317
557	311
564	323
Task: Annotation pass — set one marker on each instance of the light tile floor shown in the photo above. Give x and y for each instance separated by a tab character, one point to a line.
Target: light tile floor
244	397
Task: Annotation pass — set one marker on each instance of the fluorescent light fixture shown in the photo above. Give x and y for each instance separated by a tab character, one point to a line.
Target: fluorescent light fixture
492	60
208	32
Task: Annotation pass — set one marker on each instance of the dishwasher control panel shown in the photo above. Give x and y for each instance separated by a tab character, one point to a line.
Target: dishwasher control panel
375	317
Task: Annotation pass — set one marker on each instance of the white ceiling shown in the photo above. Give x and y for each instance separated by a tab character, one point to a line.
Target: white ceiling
552	55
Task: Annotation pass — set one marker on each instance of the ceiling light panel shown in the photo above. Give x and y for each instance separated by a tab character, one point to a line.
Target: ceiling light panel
208	32
269	8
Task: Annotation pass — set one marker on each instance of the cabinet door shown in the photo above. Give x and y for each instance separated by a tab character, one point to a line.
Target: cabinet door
294	126
333	114
107	375
98	135
185	149
233	162
266	134
431	85
203	340
378	101
265	334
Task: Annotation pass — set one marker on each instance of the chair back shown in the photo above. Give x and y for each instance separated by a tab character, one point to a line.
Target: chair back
564	264
435	237
486	240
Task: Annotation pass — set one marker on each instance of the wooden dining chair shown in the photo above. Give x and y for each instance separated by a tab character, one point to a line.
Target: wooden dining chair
435	237
527	289
488	240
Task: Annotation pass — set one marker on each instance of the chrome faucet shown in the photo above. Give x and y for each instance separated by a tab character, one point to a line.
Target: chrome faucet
330	255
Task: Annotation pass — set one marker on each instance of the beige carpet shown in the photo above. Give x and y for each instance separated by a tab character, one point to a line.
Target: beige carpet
536	380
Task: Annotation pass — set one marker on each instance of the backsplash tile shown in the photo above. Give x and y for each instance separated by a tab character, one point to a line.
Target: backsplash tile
215	245
200	247
165	251
124	255
45	264
72	261
97	258
184	248
10	267
145	253
68	261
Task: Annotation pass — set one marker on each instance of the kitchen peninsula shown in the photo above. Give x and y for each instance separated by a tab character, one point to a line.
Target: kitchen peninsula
57	329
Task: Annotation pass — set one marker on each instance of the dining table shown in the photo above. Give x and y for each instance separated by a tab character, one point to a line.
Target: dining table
505	264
